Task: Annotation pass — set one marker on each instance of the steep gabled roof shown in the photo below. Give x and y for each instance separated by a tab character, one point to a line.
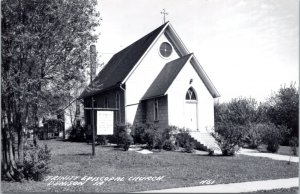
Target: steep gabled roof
120	65
166	77
123	63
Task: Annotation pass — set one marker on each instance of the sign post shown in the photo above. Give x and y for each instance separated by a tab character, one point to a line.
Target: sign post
105	122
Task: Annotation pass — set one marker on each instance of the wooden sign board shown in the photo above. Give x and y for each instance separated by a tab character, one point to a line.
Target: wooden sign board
105	122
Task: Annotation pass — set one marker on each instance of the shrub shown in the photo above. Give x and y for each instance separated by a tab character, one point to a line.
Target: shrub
184	140
227	147
137	133
294	144
228	137
36	162
153	138
77	134
102	140
273	136
254	134
273	147
169	145
124	139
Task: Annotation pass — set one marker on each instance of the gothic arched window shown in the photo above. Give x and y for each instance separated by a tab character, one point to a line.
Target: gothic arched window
190	94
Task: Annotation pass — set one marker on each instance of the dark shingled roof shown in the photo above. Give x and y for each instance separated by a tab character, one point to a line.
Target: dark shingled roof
165	78
119	66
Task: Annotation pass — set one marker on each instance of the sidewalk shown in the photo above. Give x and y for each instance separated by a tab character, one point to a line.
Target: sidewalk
250	152
234	187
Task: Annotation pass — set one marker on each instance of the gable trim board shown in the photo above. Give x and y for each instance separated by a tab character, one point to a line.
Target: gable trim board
98	84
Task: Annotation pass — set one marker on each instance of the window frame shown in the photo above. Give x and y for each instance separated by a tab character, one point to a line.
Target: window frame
191	94
156	110
118	106
161	54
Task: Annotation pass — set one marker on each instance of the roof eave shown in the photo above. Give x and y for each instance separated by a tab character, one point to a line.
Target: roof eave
192	54
152	97
204	77
99	92
146	52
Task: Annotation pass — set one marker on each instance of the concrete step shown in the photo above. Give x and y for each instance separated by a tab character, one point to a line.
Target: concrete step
207	141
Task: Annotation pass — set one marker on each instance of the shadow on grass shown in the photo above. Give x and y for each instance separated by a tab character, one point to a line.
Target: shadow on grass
216	156
84	154
70	141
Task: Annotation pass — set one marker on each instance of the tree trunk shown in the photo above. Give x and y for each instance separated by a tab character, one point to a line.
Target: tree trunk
9	170
36	124
25	124
20	139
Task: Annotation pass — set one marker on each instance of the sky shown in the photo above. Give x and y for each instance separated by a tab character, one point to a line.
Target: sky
248	48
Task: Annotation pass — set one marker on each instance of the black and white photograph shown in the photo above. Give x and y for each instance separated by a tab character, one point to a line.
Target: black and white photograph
149	96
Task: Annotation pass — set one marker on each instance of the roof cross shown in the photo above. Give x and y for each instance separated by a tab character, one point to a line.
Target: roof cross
164	13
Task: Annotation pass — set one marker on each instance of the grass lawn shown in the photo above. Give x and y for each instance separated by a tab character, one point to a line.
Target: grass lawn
283	150
290	190
179	169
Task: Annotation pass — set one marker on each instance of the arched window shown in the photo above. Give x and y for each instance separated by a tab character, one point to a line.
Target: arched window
190	94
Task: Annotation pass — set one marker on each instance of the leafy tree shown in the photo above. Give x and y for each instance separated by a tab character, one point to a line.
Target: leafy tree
233	123
44	52
283	109
239	111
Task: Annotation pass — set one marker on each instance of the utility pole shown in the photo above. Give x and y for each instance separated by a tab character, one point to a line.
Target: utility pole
93	56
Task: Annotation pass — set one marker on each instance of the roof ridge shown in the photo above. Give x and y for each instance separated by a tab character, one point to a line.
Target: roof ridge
122	62
161	26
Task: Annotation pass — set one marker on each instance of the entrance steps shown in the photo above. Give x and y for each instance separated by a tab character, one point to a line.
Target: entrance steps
206	141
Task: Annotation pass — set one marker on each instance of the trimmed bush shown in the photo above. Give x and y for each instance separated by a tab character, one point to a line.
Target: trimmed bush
102	140
169	145
228	137
254	134
36	162
124	139
273	136
137	133
153	138
184	140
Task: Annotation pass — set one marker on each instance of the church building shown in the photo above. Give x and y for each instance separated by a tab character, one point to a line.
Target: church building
157	80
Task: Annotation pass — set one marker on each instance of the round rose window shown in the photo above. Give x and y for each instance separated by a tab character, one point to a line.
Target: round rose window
165	49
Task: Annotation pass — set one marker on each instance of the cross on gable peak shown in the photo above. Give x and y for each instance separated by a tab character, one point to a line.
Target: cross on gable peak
164	13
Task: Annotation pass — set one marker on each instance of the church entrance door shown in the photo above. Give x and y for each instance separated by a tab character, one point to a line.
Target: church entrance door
190	113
